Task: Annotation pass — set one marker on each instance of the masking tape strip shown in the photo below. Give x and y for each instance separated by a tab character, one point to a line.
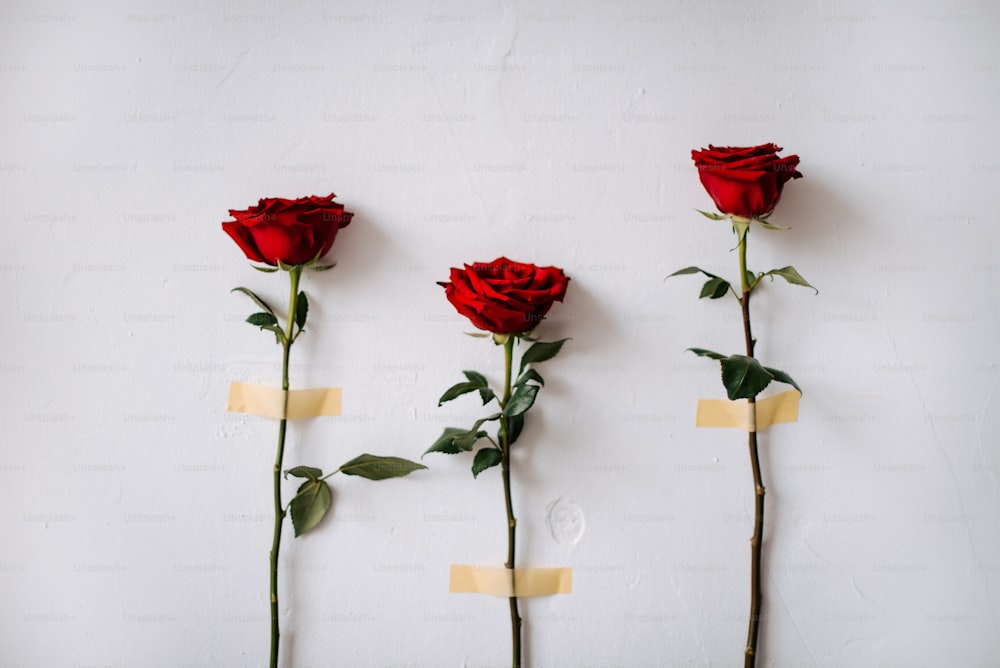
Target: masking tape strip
270	401
779	409
499	581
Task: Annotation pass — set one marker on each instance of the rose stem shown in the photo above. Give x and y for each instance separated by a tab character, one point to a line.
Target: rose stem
756	541
279	514
515	618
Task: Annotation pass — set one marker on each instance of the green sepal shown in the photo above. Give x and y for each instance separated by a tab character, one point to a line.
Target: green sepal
783	377
522	399
266	270
791	275
285	267
484	459
540	352
529	375
769	226
310	505
262	320
311	263
701	352
310	472
714	288
477	335
713	216
744	377
740	227
301	310
375	467
260	302
323	267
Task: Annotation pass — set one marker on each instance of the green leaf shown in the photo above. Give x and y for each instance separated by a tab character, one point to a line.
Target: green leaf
323	267
530	375
484	459
713	216
310	505
515	423
260	302
455	440
481	384
791	275
714	288
476	377
262	320
465	441
744	377
375	467
522	399
783	377
692	270
458	390
701	352
266	270
301	310
310	472
486	394
541	351
279	335
446	442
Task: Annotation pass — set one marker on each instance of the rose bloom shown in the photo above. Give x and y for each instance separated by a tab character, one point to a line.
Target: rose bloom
503	296
289	231
745	181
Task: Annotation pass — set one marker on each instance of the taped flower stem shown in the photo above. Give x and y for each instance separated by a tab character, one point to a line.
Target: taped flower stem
741	414
271	402
500	581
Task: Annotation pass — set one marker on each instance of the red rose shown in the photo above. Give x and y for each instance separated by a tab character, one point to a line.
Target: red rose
290	231
505	297
747	181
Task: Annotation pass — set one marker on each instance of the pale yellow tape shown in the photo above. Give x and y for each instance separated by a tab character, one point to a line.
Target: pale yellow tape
740	414
499	581
270	401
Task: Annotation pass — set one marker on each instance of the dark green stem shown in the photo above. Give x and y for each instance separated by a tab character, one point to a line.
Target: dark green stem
279	513
515	617
756	541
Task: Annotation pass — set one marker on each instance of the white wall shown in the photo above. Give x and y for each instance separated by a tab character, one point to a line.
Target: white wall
136	512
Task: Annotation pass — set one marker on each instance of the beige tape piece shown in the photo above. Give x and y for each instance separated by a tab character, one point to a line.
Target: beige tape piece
740	414
270	401
499	581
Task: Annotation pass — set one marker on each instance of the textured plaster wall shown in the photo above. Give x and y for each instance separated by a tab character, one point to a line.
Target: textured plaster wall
136	512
